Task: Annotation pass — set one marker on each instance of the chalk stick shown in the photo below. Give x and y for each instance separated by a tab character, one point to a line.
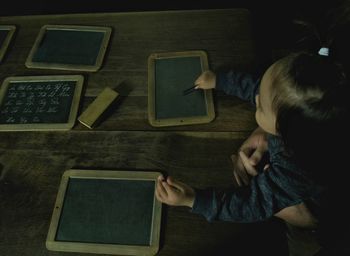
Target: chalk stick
91	116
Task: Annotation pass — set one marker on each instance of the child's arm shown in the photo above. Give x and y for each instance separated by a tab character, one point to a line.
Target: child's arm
269	194
173	192
241	85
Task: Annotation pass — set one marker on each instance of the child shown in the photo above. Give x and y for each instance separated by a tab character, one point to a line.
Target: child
301	104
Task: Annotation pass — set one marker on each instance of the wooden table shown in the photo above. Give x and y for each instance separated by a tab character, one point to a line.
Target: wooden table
31	163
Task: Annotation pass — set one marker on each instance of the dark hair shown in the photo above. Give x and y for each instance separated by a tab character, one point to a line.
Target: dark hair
310	100
311	90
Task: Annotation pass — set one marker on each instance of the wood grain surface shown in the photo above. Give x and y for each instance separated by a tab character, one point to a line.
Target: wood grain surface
31	163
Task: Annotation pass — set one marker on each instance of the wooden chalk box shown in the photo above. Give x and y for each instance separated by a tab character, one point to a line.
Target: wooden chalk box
92	115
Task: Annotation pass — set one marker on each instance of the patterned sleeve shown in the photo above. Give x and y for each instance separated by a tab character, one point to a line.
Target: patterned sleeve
282	185
244	86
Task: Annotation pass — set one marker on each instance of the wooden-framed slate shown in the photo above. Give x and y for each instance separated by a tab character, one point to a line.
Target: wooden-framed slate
109	212
6	34
169	74
69	47
32	103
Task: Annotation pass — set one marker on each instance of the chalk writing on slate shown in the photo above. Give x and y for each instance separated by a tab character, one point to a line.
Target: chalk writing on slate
37	102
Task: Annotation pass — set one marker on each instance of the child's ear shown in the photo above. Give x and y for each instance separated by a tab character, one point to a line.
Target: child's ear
257	100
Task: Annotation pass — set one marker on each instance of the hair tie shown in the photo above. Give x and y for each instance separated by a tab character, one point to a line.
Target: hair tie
324	51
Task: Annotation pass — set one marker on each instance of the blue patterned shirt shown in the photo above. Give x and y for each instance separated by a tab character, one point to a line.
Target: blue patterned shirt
283	184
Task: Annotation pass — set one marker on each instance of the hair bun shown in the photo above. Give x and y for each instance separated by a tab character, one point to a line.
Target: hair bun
324	51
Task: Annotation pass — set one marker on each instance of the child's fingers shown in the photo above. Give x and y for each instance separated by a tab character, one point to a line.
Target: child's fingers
167	187
177	184
256	157
238	180
199	85
198	80
158	196
202	81
242	174
239	165
240	171
266	167
247	165
235	174
162	191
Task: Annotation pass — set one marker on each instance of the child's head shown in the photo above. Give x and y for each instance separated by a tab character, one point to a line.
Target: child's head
303	98
305	94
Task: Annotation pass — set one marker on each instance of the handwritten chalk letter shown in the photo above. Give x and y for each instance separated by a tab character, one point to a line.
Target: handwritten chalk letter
30	102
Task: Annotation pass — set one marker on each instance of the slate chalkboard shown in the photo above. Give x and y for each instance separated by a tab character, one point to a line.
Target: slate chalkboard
171	82
107	212
6	34
40	102
121	213
169	75
69	47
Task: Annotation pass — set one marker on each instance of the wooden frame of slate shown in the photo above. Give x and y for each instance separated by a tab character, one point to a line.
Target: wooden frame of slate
6	34
169	74
32	103
69	47
109	212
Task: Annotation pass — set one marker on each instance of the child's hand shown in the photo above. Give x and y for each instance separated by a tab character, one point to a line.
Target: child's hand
249	156
207	80
174	192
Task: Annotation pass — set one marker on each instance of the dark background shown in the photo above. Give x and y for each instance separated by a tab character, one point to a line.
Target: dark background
272	18
269	9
